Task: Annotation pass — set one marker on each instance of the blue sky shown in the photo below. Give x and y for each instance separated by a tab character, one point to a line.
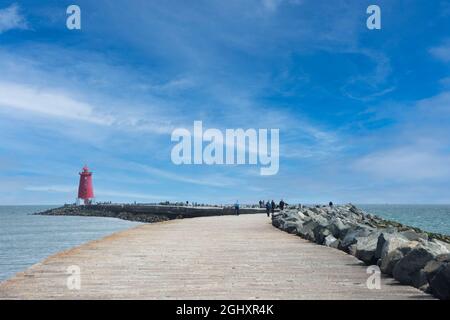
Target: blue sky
363	115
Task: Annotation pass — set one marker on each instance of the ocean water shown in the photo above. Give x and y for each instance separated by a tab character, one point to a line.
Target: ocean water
433	218
27	239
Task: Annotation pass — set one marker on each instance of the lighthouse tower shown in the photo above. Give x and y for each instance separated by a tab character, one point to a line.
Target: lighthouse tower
86	189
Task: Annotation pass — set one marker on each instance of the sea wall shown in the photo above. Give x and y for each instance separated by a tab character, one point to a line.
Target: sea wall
145	213
410	255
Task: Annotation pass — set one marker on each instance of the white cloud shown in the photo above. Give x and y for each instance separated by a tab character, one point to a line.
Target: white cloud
172	86
52	188
376	83
98	193
442	52
10	18
435	107
406	164
212	181
130	195
49	103
62	105
415	149
271	5
445	82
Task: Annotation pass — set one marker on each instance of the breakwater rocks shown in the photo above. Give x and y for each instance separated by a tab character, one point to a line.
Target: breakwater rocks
97	211
411	256
144	213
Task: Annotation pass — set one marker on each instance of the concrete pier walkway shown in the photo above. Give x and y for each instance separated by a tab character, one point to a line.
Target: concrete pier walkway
224	257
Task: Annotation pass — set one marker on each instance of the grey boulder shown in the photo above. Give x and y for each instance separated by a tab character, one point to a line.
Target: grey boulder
366	247
411	235
409	269
438	275
351	236
306	230
337	228
290	226
331	241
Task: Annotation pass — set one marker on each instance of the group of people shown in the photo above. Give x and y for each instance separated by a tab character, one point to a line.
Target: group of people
271	206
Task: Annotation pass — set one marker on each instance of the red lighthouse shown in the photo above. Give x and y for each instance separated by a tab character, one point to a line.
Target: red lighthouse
86	189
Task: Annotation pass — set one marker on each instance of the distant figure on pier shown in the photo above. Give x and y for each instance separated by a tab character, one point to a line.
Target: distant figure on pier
236	208
282	203
273	206
268	207
260	203
330	204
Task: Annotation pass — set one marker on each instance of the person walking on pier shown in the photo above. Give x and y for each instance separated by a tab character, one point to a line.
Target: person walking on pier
236	208
273	205
282	203
268	207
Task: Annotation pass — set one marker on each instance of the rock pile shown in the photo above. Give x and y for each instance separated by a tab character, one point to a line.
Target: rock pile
411	256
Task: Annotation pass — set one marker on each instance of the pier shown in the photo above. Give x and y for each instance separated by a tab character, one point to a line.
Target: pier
147	213
220	257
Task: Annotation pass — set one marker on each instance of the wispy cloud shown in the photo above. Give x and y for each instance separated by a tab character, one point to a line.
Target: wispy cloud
59	104
11	18
271	5
212	181
442	52
108	194
52	188
416	148
99	193
406	164
48	103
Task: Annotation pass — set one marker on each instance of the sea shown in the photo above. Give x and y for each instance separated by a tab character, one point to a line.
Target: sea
26	239
432	218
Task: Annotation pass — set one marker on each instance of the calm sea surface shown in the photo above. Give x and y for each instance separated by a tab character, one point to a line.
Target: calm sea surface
433	218
26	239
